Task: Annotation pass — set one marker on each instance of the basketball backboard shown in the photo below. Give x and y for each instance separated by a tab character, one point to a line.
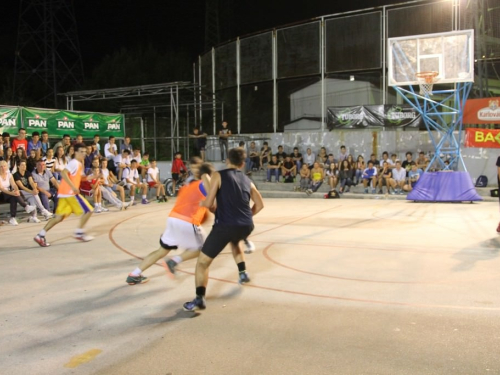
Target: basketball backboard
451	54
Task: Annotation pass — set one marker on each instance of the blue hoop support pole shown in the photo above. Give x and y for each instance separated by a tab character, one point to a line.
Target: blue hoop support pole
434	114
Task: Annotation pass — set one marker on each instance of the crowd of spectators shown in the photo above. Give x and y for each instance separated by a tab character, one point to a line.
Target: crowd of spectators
30	172
340	171
31	169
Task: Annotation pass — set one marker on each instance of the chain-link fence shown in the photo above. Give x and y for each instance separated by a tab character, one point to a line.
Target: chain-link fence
270	80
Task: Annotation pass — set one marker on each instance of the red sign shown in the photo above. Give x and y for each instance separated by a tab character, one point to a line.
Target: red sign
486	138
482	111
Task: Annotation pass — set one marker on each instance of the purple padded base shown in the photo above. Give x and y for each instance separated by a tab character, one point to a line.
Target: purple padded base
444	187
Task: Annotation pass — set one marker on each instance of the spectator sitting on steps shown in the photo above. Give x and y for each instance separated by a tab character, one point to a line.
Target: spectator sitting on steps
297	158
318	174
413	177
273	169
370	177
309	158
398	178
288	169
305	177
265	153
385	178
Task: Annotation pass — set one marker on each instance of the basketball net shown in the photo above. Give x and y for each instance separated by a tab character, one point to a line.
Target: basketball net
426	82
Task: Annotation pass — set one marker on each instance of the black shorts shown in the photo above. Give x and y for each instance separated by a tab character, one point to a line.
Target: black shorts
221	235
175	176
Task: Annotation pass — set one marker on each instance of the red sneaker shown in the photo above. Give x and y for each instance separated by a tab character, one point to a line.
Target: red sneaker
41	241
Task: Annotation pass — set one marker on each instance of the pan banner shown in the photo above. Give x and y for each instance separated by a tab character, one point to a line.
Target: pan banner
59	122
10	119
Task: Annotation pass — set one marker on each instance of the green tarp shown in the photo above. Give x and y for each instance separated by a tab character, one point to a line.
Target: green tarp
10	119
59	122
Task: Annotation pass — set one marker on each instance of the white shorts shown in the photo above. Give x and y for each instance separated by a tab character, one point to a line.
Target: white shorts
182	234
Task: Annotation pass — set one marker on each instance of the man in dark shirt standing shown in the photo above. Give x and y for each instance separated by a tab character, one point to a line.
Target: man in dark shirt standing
233	221
200	142
224	134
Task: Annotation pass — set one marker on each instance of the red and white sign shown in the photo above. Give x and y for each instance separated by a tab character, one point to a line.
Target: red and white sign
482	111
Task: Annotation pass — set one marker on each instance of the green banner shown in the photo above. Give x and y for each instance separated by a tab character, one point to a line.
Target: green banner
58	123
10	119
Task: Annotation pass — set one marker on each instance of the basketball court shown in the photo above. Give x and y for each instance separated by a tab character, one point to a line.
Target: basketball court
350	286
338	287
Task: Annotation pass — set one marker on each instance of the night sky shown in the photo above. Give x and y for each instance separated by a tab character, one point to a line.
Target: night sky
107	25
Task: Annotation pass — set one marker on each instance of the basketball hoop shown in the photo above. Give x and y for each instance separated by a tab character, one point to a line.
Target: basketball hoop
426	81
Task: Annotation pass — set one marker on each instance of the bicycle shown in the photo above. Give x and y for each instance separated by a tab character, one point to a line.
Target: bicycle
169	182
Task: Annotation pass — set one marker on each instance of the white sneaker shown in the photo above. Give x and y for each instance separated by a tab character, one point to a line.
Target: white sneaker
29	209
47	215
249	247
13	221
83	237
33	219
104	209
97	210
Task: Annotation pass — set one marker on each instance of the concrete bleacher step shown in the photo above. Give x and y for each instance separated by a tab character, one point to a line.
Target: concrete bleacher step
286	190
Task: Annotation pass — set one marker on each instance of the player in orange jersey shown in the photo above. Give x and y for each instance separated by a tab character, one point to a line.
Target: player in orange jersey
183	225
70	200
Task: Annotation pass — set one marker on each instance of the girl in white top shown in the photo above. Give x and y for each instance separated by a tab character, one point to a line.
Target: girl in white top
333	176
60	162
9	158
11	193
49	160
70	154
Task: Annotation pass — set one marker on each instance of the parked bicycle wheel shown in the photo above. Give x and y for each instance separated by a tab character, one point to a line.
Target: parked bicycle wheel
169	187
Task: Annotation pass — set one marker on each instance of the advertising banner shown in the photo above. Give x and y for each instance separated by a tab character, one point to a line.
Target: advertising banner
486	138
58	122
359	117
482	111
38	120
10	119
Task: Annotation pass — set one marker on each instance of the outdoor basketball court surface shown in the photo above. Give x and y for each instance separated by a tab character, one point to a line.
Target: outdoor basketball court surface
338	287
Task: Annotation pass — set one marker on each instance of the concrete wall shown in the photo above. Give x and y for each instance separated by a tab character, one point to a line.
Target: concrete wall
307	101
478	161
